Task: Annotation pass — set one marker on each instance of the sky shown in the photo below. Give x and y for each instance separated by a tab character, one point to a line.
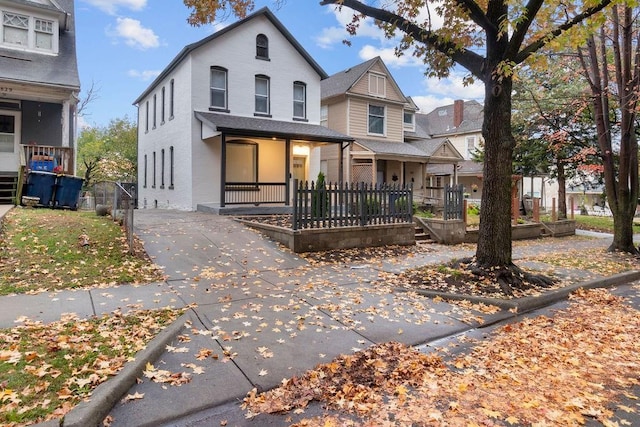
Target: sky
122	45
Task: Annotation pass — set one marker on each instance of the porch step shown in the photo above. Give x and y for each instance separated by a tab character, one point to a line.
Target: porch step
8	188
422	235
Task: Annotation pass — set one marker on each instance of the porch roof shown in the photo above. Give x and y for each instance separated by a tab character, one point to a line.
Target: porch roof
465	168
396	149
259	127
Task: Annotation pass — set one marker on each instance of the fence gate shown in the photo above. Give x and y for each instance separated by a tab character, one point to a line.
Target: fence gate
453	206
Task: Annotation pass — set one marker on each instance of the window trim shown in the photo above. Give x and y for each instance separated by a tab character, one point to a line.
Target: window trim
144	180
154	171
267	79
146	121
162	168
262	51
224	90
409	126
299	84
466	143
384	119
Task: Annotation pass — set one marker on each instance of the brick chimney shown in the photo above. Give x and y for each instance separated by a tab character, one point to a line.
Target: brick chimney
458	112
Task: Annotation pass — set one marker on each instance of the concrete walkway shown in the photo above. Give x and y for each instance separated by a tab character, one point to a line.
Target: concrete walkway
260	312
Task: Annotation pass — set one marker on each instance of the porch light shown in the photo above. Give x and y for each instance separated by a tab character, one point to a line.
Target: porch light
301	150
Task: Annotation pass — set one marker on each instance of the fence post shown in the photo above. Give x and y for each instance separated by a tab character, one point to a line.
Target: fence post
536	209
554	214
296	210
363	210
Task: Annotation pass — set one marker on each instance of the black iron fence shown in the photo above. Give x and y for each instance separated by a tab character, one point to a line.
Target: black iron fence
359	204
453	204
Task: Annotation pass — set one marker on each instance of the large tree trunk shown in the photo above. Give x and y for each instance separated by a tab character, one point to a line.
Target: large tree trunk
562	190
494	238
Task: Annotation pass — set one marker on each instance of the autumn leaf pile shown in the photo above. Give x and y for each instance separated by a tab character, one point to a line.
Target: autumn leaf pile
45	370
543	371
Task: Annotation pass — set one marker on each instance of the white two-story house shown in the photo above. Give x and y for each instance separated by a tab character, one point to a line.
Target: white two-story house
232	121
39	87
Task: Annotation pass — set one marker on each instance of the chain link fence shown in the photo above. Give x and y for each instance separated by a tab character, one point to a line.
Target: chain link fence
116	198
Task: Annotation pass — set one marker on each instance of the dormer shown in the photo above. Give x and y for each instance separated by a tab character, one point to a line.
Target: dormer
32	25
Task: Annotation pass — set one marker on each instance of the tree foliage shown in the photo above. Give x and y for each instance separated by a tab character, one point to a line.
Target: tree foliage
553	125
611	65
108	153
489	38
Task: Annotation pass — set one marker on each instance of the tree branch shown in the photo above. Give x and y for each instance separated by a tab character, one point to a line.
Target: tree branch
542	41
464	57
478	16
522	28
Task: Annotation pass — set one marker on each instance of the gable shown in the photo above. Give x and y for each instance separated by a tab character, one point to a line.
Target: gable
379	83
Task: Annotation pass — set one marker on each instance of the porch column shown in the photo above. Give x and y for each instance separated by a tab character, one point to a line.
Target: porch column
66	107
455	174
287	171
341	164
374	170
223	168
402	177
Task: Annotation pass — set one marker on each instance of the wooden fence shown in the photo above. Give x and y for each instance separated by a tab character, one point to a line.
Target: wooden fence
453	205
341	205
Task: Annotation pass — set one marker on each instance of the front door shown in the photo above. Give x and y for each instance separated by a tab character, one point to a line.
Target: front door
300	168
9	141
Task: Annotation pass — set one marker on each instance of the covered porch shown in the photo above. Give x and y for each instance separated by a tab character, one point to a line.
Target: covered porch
257	161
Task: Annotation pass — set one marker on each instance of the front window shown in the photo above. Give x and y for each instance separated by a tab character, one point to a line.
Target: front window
377	85
262	46
376	119
171	92
28	32
242	162
218	88
262	94
299	100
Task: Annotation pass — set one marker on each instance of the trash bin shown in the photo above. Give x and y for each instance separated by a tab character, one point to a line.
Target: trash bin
41	185
44	163
67	193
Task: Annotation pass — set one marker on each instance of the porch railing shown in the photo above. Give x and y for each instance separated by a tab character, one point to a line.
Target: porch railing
255	193
46	158
359	204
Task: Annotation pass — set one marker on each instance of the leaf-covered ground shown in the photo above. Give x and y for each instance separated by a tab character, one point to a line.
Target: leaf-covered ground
543	371
45	249
45	370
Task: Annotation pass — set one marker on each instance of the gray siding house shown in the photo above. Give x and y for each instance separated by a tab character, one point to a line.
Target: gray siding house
39	87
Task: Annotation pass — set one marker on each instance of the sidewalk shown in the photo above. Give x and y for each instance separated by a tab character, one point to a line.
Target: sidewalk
265	313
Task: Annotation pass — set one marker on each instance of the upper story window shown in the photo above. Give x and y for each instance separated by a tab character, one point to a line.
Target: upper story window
171	93
376	119
471	147
324	115
146	117
377	85
409	120
262	95
262	46
162	102
155	110
28	32
299	100
218	88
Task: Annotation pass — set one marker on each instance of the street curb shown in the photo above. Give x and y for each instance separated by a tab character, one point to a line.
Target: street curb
93	411
526	304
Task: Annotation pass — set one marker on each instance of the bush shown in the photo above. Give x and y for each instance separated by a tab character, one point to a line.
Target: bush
319	198
473	209
401	205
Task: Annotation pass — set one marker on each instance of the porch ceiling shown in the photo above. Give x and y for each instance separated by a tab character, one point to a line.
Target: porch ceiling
268	128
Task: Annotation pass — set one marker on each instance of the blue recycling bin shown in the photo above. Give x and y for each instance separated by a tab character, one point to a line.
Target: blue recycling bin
41	185
68	188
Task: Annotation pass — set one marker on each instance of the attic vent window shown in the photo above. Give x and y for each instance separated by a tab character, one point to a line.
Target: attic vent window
442	113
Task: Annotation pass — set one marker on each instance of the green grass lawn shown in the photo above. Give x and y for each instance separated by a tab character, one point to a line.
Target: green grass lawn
600	223
41	249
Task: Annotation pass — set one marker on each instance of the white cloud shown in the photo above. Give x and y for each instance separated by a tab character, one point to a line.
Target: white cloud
389	57
112	6
135	35
453	86
144	75
330	36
